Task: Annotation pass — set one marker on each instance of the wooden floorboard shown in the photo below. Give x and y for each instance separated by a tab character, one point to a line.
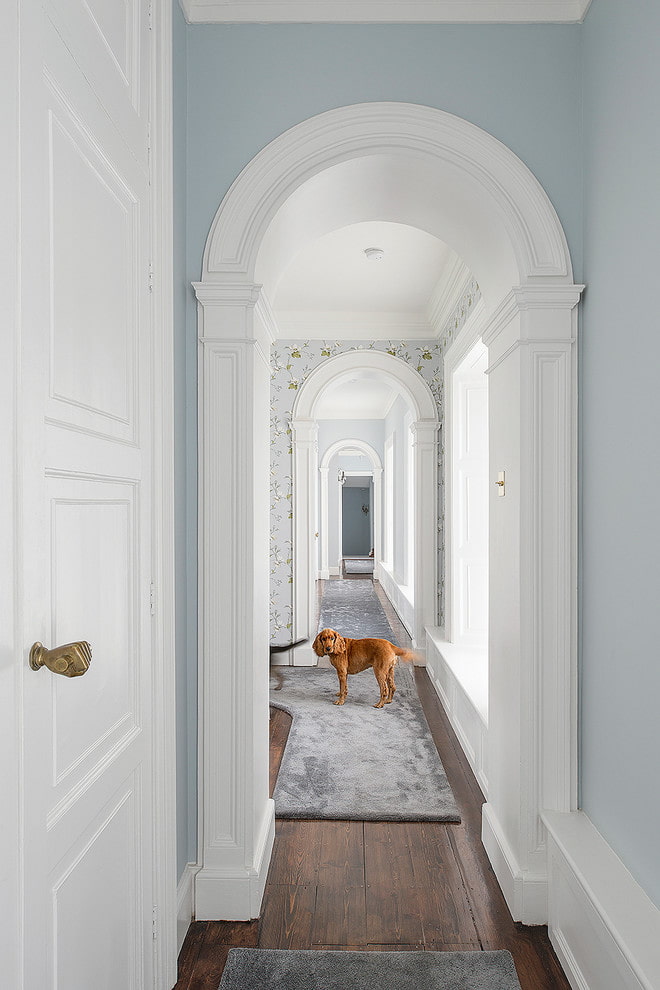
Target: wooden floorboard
380	885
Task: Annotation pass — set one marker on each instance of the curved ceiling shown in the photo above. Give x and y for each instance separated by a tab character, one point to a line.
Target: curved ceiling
439	230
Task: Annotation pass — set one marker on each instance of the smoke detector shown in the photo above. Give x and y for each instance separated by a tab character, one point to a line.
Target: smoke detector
374	253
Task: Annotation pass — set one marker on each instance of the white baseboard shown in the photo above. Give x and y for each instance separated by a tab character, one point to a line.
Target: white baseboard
236	894
604	928
467	719
526	893
185	903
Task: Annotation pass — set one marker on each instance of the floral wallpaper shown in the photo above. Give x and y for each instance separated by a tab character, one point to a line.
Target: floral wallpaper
291	363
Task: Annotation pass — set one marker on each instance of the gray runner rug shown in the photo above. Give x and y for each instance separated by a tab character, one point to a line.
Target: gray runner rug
353	609
322	969
354	761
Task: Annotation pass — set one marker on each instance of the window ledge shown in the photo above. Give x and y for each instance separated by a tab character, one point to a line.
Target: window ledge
469	665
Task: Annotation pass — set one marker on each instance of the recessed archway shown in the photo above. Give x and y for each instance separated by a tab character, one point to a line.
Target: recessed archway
405	380
476	195
375	471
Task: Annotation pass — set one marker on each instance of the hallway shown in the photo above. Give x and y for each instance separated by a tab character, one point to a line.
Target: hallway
380	885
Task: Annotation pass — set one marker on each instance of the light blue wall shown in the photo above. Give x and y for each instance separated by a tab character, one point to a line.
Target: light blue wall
355	524
249	83
523	84
241	86
620	458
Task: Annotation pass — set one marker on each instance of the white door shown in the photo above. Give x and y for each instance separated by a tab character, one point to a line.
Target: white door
86	430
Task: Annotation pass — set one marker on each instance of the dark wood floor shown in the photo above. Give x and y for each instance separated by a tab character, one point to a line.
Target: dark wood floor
380	885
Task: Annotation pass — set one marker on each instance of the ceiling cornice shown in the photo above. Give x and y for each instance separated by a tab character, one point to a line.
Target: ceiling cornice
384	11
324	325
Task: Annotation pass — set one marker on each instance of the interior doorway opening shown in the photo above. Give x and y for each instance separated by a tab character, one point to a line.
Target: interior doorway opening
473	193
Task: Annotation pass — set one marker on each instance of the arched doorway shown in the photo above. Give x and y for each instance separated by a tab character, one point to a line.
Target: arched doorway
326	483
450	177
362	364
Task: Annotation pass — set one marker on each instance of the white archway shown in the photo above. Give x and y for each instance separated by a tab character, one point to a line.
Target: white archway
490	208
353	365
376	472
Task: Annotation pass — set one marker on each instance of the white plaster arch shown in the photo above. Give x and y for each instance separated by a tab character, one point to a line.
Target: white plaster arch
475	174
417	394
365	363
502	223
354	444
326	482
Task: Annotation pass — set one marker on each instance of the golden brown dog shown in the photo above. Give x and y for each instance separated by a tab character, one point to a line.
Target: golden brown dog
350	656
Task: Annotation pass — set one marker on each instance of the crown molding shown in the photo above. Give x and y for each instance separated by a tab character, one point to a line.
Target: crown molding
384	11
447	294
325	325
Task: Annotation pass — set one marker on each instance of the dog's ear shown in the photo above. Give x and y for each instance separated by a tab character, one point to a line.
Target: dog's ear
340	644
316	646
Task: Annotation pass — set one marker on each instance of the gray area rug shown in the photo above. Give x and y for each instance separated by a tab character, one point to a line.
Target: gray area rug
358	566
354	761
353	609
322	969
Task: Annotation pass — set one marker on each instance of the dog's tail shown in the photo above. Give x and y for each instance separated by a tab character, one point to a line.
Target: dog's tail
409	656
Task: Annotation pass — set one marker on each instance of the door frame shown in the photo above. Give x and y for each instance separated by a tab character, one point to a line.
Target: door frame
530	329
404	379
375	471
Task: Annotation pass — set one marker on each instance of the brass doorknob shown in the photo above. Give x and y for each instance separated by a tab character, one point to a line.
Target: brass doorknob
72	660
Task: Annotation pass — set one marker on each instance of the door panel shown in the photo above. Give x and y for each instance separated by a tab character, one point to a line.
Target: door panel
86	476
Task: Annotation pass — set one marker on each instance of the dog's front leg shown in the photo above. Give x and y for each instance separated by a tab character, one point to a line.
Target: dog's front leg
342	674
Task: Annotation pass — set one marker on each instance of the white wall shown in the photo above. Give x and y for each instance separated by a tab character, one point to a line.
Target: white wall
396	426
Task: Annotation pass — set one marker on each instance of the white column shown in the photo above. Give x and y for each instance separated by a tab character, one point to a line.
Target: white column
324	572
305	515
378	513
532	742
236	816
425	470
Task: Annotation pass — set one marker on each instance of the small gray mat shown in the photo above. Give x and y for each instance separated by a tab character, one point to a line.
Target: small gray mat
322	969
354	761
358	566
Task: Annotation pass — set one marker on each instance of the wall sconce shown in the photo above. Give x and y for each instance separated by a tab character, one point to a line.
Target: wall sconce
365	509
341	477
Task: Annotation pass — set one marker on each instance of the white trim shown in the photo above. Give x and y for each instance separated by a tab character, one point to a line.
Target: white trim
321	325
375	473
469	334
601	923
447	295
525	890
385	11
530	331
396	593
534	232
468	717
185	902
12	662
305	458
163	569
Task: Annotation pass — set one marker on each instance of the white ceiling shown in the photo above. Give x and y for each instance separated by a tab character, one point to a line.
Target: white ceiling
384	11
333	274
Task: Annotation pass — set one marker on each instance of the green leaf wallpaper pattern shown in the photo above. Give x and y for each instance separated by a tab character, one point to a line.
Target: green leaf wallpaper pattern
291	363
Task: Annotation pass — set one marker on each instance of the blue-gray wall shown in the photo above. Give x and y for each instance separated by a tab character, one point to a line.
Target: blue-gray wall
355	524
620	458
529	86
